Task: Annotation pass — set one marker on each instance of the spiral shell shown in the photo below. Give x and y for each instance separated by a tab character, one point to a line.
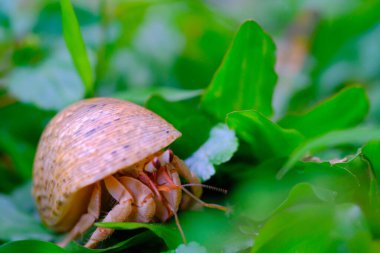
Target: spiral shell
85	143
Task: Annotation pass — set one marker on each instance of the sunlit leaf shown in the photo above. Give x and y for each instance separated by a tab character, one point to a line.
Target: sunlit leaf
356	136
265	138
219	148
338	111
246	78
76	46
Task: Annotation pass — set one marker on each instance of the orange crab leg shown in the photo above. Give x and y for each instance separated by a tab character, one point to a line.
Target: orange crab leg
87	219
119	212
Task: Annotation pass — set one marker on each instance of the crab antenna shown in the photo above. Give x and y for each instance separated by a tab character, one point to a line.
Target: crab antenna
213	188
209	205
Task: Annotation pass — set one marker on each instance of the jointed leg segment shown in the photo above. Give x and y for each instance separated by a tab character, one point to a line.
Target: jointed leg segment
154	193
87	219
119	212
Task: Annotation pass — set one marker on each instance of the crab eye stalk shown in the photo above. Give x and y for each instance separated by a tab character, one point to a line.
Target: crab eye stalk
166	157
153	165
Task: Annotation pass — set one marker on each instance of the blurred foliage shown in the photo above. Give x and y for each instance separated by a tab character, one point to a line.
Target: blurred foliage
298	88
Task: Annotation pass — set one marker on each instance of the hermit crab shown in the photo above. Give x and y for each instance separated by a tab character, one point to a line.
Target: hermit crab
107	155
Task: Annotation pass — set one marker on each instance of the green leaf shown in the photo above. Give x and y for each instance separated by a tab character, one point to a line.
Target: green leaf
31	246
337	110
17	224
21	153
356	136
315	227
307	193
187	118
76	46
219	148
191	247
265	138
371	152
259	194
16	142
370	156
325	49
141	95
56	84
168	233
49	19
246	78
214	230
140	238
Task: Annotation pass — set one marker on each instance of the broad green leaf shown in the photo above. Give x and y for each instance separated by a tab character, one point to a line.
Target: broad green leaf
315	227
371	152
141	95
340	55
51	85
356	136
191	247
31	246
214	230
16	142
307	193
265	138
21	153
168	233
140	238
49	19
259	194
219	148
23	200
331	37
76	46
9	179
246	78
17	224
375	246
336	112
191	122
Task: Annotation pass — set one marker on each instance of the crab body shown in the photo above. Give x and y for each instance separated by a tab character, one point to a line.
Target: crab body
105	146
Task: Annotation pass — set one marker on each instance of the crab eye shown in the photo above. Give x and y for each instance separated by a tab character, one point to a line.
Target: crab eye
166	157
153	165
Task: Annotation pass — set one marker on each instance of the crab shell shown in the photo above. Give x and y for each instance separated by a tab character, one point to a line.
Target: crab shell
85	143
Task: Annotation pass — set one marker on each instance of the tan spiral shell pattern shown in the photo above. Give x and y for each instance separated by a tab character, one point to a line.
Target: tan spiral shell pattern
88	141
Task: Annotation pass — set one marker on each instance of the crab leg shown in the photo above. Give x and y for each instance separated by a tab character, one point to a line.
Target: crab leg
144	205
184	172
87	219
119	212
